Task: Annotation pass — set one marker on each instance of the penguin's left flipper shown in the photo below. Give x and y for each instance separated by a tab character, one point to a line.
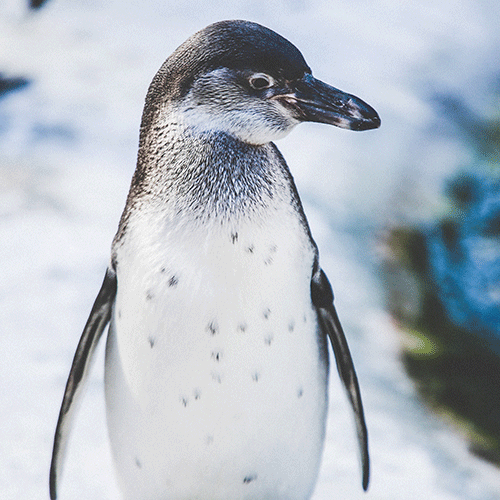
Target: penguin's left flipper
322	298
98	319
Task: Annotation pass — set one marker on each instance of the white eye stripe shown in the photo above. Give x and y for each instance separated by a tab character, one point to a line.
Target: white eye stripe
260	81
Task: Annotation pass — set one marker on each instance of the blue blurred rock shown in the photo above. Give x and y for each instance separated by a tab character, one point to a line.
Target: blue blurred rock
464	257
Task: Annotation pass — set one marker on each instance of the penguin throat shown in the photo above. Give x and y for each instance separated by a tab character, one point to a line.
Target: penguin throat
210	174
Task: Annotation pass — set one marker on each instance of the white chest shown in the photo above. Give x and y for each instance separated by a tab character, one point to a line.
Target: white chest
215	374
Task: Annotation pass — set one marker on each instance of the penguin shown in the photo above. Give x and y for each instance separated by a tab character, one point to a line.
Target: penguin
216	370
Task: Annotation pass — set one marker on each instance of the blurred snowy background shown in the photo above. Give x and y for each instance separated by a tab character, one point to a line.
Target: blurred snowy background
74	75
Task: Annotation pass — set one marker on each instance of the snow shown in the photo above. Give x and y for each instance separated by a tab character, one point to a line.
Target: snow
67	152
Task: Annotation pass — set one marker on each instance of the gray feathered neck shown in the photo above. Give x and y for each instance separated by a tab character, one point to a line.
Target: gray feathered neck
210	178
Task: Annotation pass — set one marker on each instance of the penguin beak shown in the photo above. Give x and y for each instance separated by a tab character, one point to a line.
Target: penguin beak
315	101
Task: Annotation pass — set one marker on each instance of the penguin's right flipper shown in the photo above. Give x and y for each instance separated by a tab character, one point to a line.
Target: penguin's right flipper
78	375
322	297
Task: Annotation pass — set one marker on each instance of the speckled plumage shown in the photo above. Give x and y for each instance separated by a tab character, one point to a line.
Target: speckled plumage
216	360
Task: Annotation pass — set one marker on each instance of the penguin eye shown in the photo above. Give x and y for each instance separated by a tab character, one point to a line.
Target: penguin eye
260	81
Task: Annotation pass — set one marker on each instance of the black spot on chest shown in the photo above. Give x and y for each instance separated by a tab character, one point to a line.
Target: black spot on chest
249	478
216	356
270	259
212	327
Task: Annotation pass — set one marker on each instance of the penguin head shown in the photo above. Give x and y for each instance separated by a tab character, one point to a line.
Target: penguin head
245	80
